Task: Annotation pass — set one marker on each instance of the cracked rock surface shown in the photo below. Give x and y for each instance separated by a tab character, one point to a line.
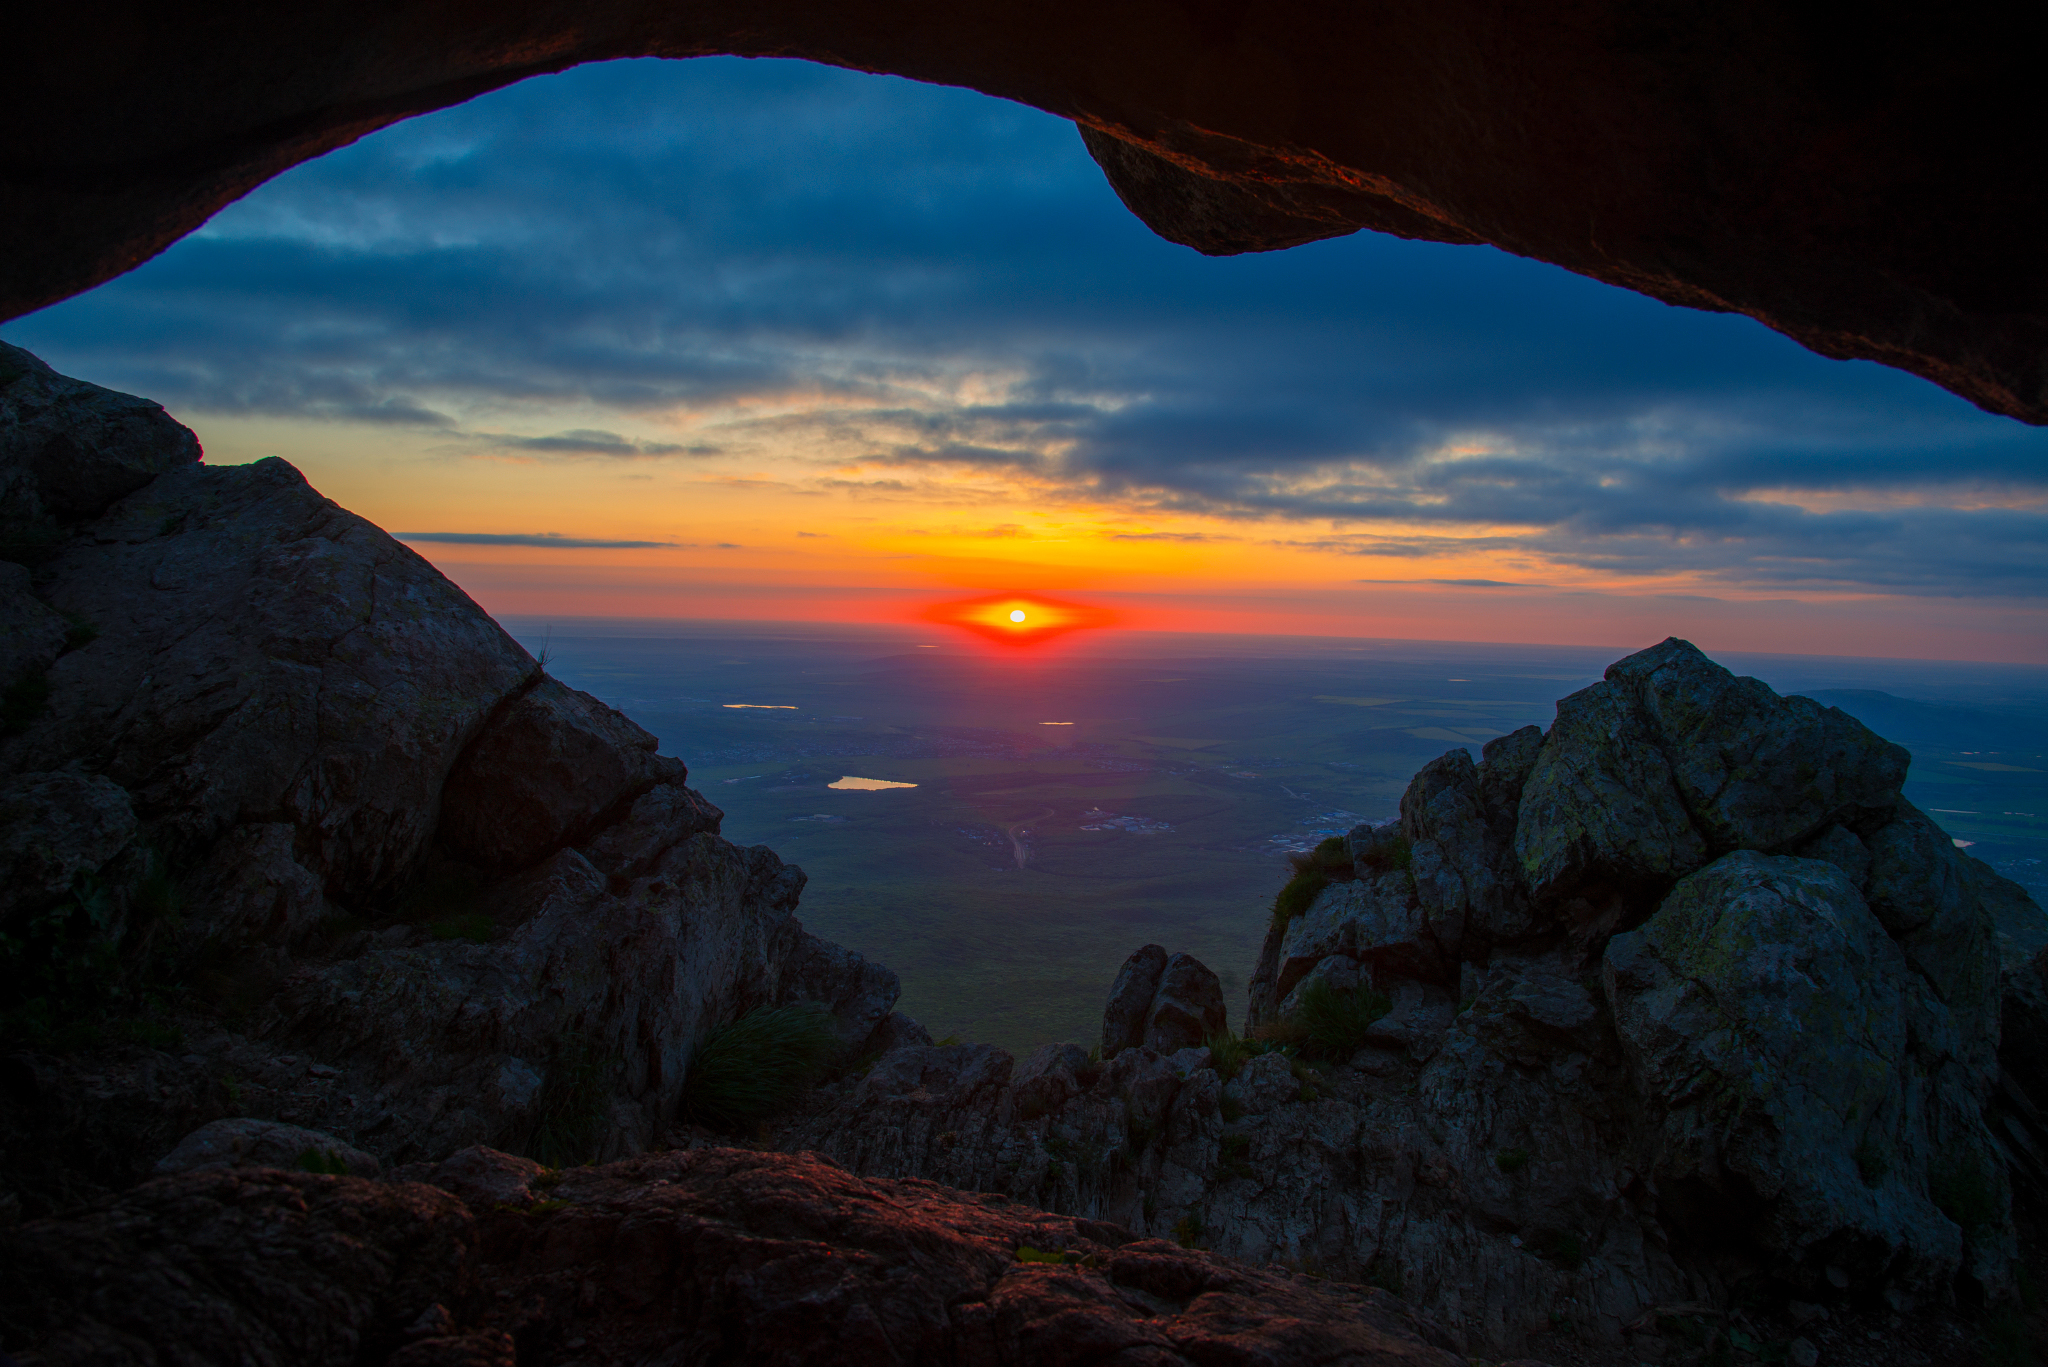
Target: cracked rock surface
712	1255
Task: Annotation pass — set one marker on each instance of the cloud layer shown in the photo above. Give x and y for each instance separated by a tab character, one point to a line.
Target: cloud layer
912	286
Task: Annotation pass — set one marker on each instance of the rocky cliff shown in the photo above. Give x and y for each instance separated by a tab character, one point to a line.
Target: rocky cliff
275	786
1678	997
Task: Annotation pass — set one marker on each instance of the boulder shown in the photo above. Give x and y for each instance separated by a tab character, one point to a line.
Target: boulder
1461	858
662	817
69	449
859	993
1919	888
1800	1077
1049	1077
1376	919
544	772
1187	1008
1130	1000
244	1143
261	651
1601	820
1757	771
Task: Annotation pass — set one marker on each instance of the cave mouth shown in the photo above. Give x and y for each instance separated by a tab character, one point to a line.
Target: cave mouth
1855	191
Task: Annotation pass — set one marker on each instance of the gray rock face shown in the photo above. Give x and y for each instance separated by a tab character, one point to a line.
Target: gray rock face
262	1144
543	773
1187	1008
293	718
1757	771
1130	1000
1798	1070
861	994
262	651
1460	858
1601	817
69	449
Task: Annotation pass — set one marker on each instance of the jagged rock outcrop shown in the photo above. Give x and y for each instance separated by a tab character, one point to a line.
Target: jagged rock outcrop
277	769
716	1255
1681	992
1865	188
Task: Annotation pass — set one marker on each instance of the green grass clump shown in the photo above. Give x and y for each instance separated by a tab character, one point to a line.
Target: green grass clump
1298	895
325	1161
1872	1162
1027	1254
1965	1192
747	1071
1228	1054
1187	1229
1511	1160
476	927
1565	1250
1396	853
570	1110
1335	1022
22	701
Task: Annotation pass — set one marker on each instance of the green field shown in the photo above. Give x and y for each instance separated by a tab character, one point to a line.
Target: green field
982	886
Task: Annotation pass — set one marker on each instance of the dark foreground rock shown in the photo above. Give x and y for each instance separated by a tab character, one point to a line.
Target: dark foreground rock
711	1256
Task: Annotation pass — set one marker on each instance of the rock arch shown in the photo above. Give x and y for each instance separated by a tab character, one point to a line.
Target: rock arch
1867	182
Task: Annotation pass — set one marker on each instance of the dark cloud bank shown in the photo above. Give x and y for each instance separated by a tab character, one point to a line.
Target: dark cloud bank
642	235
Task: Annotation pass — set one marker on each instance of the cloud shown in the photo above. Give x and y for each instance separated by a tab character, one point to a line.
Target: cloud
584	441
934	285
549	539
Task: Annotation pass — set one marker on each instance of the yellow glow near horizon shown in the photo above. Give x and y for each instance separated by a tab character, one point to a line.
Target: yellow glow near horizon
773	527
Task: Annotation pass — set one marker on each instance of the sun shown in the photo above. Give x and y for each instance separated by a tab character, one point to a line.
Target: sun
1017	619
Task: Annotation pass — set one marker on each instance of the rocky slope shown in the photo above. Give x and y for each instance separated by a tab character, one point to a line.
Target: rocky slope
272	781
716	1255
1681	996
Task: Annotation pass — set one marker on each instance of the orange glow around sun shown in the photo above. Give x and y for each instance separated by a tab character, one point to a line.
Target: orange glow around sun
1018	620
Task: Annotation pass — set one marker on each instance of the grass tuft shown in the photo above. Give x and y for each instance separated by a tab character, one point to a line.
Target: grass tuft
747	1071
1334	1022
1298	895
1511	1160
324	1161
570	1110
476	927
1872	1162
1965	1192
22	701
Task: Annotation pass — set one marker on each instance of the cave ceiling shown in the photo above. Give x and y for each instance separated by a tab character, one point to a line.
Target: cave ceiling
1867	180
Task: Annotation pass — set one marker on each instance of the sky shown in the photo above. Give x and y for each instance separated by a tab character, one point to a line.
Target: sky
768	340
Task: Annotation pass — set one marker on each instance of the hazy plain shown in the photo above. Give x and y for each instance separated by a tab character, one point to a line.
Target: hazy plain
1077	800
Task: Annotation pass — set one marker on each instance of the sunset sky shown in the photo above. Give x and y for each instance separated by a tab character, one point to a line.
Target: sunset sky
769	340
